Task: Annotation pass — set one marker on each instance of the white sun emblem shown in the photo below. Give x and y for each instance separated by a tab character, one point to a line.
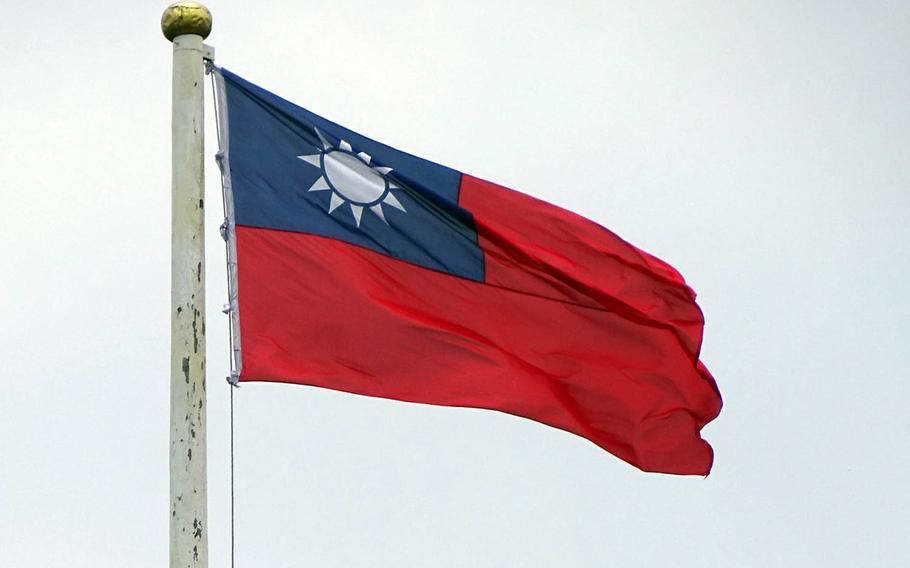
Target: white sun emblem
352	180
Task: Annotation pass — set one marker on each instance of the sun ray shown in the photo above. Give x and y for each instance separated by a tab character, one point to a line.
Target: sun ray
365	157
383	169
325	143
345	145
377	209
358	211
313	160
335	202
320	185
391	200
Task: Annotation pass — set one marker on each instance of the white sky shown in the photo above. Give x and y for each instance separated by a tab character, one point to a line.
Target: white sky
759	147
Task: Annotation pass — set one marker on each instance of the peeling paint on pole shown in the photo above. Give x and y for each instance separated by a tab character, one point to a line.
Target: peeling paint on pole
188	493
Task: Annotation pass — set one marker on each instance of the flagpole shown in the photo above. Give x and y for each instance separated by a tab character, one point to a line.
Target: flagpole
186	24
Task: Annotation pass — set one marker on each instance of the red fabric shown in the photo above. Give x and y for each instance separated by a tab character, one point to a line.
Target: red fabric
573	328
538	248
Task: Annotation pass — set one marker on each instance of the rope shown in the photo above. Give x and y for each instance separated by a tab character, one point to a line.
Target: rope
231	386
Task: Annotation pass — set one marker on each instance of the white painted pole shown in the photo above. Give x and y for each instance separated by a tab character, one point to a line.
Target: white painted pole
186	24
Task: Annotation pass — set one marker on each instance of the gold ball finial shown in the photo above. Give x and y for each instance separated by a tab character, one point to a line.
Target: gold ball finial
186	18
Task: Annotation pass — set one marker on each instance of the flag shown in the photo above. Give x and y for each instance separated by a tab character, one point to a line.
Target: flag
358	267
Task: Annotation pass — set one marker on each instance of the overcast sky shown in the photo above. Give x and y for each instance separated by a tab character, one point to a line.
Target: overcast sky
761	147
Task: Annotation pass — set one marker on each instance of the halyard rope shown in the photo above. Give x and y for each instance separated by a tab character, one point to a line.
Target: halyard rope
230	381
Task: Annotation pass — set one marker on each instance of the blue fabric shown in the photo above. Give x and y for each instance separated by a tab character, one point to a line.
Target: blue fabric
270	186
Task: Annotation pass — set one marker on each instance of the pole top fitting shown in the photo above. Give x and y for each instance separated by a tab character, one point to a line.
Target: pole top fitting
186	18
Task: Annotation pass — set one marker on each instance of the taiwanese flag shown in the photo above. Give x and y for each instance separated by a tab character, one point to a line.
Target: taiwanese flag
361	268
